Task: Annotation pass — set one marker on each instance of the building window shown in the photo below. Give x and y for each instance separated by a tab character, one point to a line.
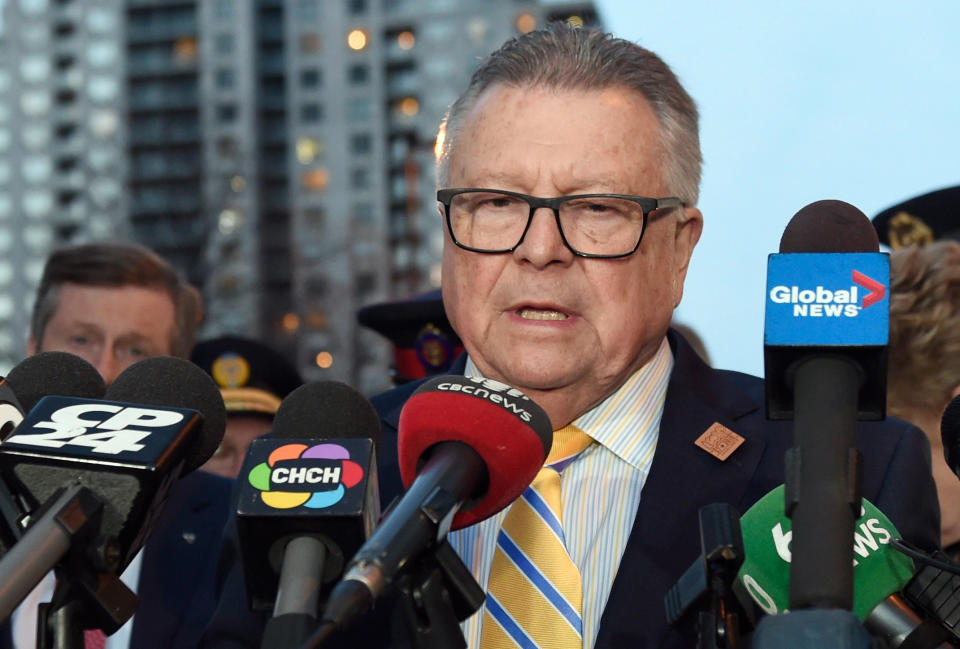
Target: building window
316	180
225	78
311	112
360	178
310	43
308	149
102	53
357	40
227	147
359	109
357	6
364	213
309	78
226	113
361	143
359	74
224	9
34	69
224	43
314	217
307	9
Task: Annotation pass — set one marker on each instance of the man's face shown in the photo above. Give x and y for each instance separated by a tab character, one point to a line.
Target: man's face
564	329
109	327
241	430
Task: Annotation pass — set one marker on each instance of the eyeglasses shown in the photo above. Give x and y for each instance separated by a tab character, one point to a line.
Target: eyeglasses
604	226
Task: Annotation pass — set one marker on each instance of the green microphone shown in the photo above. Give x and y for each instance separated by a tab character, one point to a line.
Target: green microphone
879	569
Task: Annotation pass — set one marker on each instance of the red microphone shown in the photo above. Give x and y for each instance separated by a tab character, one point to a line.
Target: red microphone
467	448
511	434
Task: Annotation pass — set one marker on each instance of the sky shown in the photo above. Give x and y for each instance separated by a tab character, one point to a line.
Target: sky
857	101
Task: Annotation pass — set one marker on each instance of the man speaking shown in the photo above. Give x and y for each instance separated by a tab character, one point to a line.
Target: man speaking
568	178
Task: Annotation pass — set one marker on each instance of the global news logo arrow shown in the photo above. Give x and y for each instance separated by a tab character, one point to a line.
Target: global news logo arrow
877	290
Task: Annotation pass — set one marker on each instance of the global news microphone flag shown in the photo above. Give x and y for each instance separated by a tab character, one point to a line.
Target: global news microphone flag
819	301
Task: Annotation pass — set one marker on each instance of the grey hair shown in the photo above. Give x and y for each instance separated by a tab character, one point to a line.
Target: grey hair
570	58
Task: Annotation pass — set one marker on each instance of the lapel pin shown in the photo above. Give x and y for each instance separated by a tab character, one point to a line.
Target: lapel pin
719	441
189	537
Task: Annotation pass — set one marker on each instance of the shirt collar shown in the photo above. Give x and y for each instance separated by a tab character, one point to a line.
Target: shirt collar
627	422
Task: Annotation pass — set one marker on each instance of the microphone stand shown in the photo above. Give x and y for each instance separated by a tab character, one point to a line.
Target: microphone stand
64	536
437	594
707	586
823	499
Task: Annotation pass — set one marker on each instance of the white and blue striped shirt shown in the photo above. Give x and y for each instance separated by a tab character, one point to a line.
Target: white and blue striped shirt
600	491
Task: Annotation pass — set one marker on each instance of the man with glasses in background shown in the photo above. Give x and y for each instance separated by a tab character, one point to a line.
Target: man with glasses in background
569	174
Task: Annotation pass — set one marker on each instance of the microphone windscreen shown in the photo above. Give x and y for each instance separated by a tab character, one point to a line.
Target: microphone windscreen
829	226
54	373
506	428
326	410
950	434
176	383
879	569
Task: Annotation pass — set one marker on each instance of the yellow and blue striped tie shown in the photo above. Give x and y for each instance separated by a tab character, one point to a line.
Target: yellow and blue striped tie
534	595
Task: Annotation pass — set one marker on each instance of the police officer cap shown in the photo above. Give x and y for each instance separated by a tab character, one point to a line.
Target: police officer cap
920	220
424	342
253	377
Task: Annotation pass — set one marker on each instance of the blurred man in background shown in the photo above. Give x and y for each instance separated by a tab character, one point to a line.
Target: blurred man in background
114	304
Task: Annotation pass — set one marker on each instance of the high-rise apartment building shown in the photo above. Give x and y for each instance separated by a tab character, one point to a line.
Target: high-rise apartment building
278	151
62	143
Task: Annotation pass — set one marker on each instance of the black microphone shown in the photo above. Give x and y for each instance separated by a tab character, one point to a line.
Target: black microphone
467	447
52	373
30	380
950	434
825	337
112	460
308	499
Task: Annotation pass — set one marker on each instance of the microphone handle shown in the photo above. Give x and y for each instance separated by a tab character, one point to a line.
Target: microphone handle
298	594
73	512
826	491
301	576
453	474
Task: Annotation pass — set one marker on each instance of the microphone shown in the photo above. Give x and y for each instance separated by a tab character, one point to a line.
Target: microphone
29	381
48	373
825	337
167	381
880	572
114	460
950	434
467	448
308	498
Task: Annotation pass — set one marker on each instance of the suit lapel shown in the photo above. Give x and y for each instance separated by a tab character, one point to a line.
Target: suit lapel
683	478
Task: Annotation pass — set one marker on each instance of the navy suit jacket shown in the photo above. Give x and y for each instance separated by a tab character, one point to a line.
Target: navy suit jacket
176	589
665	538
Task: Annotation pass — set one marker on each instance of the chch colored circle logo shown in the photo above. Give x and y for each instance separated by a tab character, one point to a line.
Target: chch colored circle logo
312	476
